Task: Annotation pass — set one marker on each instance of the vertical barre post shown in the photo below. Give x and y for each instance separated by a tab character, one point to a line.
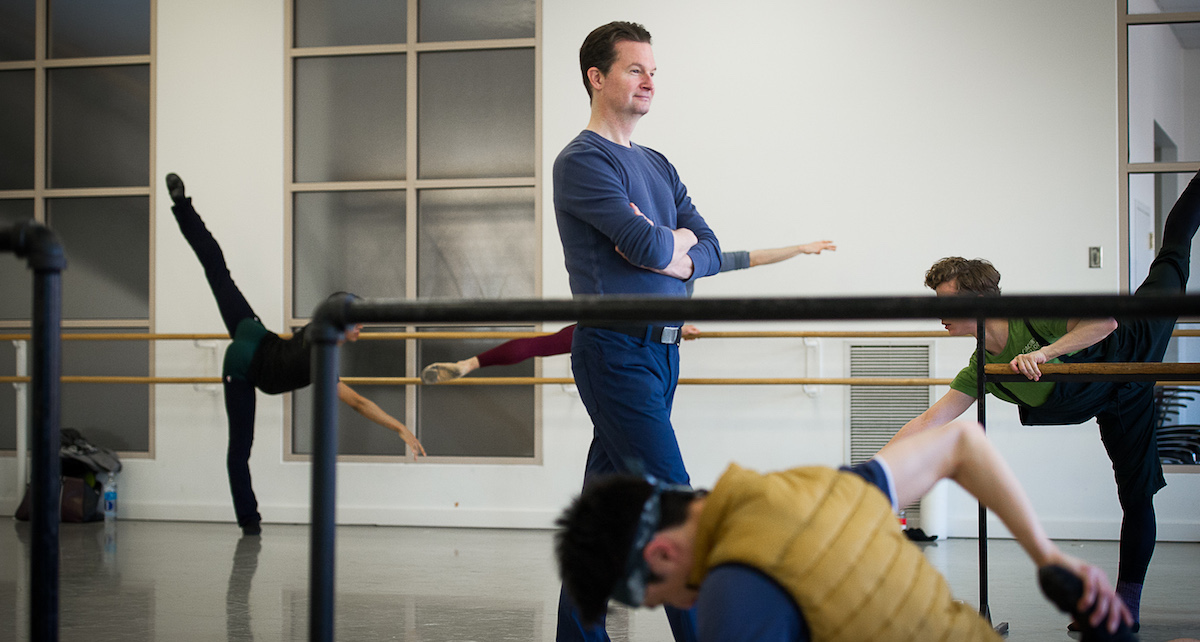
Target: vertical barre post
322	546
46	467
324	333
39	246
981	415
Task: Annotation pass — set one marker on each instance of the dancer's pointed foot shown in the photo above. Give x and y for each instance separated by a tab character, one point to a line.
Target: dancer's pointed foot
175	188
441	372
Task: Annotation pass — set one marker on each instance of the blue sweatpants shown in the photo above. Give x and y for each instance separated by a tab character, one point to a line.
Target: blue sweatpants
628	386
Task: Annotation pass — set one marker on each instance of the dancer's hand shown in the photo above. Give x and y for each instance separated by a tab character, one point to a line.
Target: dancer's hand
1099	596
1027	364
414	444
817	246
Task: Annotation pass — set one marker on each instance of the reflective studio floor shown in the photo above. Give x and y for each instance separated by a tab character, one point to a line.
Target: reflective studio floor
201	581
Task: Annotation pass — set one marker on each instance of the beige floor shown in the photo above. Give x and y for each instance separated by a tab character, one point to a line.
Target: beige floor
201	581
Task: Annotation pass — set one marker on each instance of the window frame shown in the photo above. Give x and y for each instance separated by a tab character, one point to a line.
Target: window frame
41	193
1125	20
411	185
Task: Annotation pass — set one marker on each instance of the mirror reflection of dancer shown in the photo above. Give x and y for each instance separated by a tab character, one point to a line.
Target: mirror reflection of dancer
518	350
257	358
810	553
1124	410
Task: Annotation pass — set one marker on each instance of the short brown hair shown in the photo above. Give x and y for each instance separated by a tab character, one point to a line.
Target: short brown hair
977	276
599	48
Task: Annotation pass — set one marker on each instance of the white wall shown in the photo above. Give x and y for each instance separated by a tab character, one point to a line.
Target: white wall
903	131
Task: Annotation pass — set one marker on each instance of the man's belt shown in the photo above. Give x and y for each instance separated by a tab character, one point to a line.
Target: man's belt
668	334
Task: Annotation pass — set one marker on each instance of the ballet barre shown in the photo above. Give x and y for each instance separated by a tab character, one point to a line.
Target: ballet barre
521	334
1173	372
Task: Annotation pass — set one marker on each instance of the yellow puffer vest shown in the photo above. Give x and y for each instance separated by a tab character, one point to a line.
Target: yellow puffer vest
831	540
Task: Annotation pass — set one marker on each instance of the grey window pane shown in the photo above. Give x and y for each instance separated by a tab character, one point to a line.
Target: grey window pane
358	435
1163	65
17	24
327	23
1163	6
16	129
475	421
112	415
476	243
107	241
86	28
476	19
476	113
350	122
347	241
16	279
8	397
99	126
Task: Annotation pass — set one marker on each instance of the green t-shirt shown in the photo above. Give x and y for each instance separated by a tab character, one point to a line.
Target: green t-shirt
1020	341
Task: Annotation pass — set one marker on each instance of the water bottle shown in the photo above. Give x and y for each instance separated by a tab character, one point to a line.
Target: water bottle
110	499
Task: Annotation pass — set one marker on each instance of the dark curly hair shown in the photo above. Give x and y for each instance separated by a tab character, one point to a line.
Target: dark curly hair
975	276
596	532
599	48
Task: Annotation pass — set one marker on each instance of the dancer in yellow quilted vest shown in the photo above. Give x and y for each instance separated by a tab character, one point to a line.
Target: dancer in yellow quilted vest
804	554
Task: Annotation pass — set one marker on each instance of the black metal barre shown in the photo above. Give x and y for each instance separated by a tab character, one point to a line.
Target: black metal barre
333	316
600	309
44	255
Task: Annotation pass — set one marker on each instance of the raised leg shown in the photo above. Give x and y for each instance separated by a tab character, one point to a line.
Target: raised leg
230	300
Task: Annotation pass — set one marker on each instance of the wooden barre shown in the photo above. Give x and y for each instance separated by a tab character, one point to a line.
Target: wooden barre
1174	372
522	381
499	334
787	381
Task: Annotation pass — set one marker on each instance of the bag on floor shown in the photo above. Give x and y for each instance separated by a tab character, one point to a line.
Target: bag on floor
80	502
83	466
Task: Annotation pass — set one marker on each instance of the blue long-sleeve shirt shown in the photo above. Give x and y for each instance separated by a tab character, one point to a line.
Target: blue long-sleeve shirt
595	180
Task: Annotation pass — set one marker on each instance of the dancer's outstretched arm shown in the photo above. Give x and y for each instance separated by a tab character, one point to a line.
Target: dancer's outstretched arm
372	411
962	452
775	255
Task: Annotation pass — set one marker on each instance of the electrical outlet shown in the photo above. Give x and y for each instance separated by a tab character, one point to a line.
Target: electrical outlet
1094	257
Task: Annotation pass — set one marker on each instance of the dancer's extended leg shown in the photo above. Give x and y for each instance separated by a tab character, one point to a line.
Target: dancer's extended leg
230	301
1128	429
1172	265
505	354
519	350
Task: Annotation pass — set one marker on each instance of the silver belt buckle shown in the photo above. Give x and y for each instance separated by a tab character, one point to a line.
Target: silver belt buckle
670	334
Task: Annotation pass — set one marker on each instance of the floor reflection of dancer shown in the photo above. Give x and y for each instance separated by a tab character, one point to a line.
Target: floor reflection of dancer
518	350
257	358
237	596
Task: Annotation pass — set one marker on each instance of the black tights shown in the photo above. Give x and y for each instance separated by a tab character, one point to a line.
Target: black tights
239	393
1138	533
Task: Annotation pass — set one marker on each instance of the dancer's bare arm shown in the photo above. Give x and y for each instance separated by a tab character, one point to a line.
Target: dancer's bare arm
962	452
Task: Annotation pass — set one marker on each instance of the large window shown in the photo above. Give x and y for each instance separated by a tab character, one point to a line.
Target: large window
76	87
1159	102
414	173
1159	57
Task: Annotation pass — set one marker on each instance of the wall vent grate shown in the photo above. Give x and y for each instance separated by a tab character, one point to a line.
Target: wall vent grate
877	412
